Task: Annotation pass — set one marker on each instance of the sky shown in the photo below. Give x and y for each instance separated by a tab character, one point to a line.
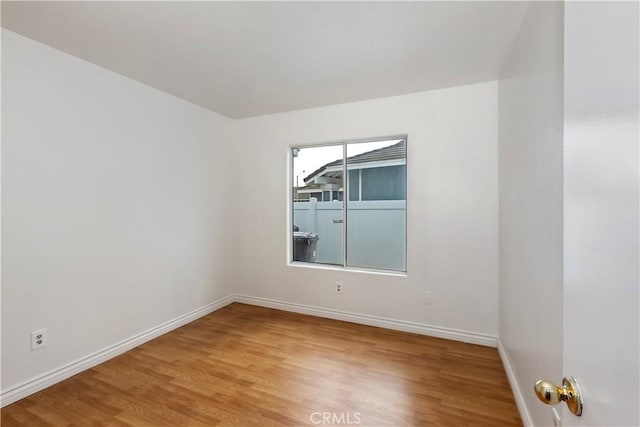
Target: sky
311	158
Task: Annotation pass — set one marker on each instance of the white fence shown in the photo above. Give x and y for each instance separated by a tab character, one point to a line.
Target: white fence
376	232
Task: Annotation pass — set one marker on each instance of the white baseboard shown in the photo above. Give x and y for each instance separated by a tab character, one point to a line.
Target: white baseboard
515	386
364	319
47	379
54	376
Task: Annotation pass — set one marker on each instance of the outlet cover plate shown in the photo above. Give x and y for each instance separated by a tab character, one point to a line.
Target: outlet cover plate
38	339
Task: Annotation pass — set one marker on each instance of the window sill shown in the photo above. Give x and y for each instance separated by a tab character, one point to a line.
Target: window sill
299	264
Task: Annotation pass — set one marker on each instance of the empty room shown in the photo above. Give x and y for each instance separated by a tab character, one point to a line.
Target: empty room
320	213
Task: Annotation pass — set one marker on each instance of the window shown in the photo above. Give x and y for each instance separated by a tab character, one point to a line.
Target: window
349	204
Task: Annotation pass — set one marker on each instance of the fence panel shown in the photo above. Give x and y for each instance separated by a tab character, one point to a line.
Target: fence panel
376	235
376	232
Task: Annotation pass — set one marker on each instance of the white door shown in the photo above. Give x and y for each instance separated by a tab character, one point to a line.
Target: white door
601	215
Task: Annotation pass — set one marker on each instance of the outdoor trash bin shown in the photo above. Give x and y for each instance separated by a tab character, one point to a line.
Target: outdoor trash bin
304	246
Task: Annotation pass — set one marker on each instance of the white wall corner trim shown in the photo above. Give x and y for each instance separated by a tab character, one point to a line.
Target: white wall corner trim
54	376
515	387
364	319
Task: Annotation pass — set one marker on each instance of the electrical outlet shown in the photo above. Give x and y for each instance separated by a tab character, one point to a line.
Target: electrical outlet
38	339
428	298
338	287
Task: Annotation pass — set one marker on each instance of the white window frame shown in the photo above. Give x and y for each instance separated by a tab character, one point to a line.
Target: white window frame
345	196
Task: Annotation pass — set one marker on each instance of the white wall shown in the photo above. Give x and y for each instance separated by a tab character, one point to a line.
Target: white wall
115	204
531	116
452	205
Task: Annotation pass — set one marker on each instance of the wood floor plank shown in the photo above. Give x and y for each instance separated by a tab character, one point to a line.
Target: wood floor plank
250	366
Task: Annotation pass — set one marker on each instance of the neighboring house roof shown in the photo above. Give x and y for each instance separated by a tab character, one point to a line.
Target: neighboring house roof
392	152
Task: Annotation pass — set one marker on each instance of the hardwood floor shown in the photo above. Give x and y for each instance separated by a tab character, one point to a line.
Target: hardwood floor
252	366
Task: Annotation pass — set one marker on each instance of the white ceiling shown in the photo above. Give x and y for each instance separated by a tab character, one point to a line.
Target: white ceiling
250	58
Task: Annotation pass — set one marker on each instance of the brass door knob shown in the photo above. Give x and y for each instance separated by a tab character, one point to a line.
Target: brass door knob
552	394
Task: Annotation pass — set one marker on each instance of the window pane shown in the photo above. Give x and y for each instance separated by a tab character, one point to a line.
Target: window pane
376	223
317	171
